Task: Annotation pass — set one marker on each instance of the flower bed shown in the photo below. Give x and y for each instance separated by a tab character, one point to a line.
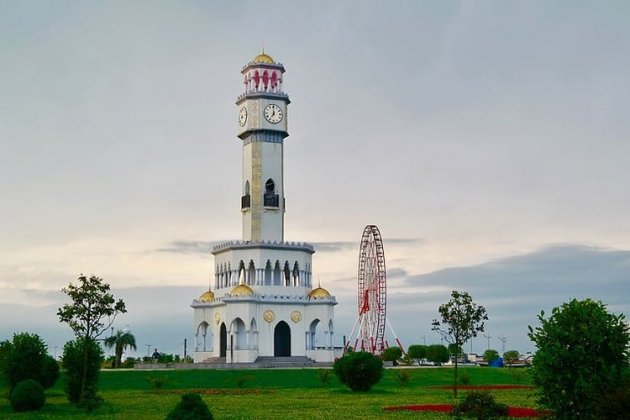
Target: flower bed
447	408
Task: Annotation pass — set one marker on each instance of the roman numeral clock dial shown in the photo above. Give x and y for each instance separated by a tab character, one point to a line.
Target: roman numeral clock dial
273	113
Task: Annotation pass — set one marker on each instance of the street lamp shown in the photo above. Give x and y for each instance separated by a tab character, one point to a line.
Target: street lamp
488	337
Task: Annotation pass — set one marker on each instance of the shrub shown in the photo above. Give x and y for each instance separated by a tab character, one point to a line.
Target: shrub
27	395
191	407
241	380
403	376
417	352
581	357
24	358
392	354
480	405
324	376
464	378
73	362
157	382
359	371
437	353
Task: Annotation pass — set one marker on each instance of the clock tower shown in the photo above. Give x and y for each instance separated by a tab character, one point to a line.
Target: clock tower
262	122
263	305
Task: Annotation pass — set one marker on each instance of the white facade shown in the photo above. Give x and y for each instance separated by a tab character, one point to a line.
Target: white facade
263	303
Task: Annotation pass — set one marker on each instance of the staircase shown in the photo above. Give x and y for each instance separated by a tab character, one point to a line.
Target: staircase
280	362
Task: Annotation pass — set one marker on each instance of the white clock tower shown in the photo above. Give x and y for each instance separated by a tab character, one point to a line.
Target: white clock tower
264	304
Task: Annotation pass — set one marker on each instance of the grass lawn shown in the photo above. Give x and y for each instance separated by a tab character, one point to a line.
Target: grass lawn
272	393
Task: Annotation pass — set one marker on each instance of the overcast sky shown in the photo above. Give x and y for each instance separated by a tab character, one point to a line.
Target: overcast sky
489	141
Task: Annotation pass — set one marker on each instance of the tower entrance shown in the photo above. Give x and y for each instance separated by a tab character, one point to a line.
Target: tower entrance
223	341
282	340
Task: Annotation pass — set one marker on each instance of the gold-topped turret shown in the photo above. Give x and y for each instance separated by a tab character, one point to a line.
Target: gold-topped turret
242	290
263	58
207	296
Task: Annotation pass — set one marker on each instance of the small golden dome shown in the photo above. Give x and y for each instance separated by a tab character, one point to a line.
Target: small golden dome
263	58
242	290
207	297
318	293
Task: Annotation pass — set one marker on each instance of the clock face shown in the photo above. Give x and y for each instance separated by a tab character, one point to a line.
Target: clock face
273	113
242	116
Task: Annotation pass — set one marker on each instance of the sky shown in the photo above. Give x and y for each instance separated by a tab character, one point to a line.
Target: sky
488	141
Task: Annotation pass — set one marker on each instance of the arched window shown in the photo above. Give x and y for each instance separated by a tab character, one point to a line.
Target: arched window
270	186
246	187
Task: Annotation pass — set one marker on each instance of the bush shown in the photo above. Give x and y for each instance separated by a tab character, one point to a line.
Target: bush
359	371
403	376
25	357
490	355
464	378
324	376
392	354
73	363
437	353
480	405
191	407
581	357
614	405
417	352
157	382
27	395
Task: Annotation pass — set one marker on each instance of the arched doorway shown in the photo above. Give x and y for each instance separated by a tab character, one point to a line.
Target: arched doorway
282	340
223	341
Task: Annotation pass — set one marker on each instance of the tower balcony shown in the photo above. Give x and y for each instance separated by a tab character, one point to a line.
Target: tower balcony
246	202
271	200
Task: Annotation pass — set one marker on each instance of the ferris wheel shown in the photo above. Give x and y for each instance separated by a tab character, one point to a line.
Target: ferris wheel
372	295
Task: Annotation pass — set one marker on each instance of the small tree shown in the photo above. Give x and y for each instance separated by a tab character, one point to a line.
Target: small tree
359	371
582	353
460	320
25	357
392	354
510	356
91	313
121	341
417	352
437	353
490	355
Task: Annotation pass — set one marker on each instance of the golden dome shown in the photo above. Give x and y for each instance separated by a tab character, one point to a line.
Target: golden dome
242	290
207	297
318	293
263	58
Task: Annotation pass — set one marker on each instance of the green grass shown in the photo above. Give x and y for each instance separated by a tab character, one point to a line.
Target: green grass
270	393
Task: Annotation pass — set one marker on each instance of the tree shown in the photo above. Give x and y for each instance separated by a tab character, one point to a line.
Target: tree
121	341
437	353
510	356
460	320
26	357
582	353
92	312
82	378
392	354
490	355
417	352
359	371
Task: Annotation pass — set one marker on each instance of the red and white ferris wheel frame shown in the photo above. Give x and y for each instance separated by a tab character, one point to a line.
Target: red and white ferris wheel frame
372	292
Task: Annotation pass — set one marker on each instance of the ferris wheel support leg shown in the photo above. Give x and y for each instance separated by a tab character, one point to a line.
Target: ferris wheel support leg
396	337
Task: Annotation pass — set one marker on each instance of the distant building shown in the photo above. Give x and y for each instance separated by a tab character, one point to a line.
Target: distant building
264	303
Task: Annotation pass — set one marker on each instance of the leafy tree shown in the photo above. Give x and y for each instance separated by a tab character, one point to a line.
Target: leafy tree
510	356
437	353
91	313
25	357
490	355
460	320
82	377
359	371
582	353
392	354
417	352
121	341
455	349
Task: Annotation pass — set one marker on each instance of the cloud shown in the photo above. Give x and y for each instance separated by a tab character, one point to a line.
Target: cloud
189	247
